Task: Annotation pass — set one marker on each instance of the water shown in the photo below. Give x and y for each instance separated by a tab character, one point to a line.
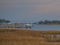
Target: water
41	27
46	27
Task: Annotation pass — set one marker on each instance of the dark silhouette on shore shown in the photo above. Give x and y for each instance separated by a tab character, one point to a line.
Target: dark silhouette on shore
4	21
48	22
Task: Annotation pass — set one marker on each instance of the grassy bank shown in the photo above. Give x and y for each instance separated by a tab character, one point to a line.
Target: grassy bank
24	37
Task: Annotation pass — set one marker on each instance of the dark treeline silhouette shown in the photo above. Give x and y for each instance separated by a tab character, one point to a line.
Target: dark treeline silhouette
4	21
49	22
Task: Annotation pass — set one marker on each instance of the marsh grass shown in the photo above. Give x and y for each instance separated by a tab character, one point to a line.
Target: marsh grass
22	37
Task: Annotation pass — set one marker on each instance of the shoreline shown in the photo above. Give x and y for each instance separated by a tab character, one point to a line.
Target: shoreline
19	29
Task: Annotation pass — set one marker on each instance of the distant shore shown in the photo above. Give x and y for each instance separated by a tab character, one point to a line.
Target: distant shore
47	24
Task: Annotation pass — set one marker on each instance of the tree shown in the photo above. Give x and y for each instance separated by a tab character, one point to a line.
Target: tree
4	21
49	22
7	21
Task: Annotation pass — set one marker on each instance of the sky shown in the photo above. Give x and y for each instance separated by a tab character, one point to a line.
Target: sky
28	11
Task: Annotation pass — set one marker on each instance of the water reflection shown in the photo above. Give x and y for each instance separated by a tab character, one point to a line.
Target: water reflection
46	27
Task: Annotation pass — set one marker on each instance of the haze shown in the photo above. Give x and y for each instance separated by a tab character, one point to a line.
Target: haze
28	11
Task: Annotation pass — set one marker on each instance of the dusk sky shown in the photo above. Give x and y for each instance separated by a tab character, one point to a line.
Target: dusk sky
28	11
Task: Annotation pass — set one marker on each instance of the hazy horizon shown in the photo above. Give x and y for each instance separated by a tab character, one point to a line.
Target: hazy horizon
28	11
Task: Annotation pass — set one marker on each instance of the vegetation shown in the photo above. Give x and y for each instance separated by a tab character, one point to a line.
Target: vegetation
49	22
4	21
25	37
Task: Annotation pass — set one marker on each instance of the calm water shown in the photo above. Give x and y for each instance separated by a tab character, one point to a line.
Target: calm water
46	27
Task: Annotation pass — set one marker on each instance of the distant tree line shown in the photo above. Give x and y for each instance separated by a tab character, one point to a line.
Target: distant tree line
49	22
4	21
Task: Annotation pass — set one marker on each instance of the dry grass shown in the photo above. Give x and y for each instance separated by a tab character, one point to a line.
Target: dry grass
23	37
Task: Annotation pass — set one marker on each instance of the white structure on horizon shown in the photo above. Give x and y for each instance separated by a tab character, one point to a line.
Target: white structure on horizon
16	25
28	26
